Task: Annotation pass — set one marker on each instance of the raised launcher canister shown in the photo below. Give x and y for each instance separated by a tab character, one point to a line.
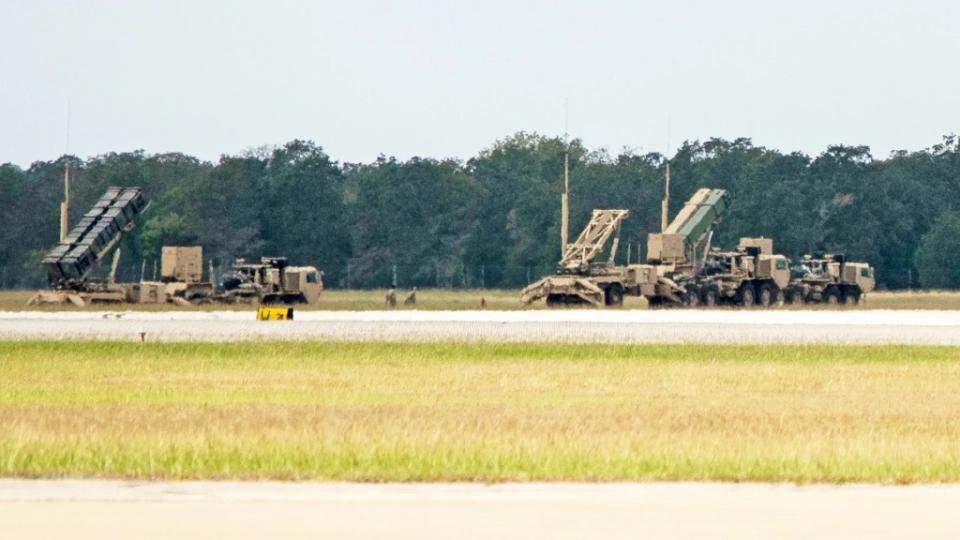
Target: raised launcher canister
682	242
677	253
93	237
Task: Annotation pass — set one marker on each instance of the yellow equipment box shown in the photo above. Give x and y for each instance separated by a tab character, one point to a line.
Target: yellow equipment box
274	313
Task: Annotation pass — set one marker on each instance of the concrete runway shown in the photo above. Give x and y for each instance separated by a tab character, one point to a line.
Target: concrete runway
95	509
581	326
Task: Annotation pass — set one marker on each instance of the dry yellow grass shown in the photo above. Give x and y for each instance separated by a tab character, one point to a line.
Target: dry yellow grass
378	412
331	299
497	299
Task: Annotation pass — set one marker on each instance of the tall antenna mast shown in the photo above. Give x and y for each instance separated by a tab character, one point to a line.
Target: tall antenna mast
665	207
565	198
565	202
65	205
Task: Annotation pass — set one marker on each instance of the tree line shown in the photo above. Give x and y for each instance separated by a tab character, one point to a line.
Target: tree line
494	220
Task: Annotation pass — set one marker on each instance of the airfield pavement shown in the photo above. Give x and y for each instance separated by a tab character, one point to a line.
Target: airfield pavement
93	509
920	327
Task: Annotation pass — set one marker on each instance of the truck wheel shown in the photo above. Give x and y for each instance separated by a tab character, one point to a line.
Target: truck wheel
851	297
747	297
793	296
710	297
832	297
767	295
691	299
613	296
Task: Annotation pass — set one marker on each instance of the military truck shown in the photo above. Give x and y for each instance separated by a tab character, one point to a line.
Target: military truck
271	281
750	275
829	279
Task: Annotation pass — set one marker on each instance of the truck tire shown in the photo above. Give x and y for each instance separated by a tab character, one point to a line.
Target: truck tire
613	295
777	301
793	296
746	296
831	296
768	295
709	298
851	296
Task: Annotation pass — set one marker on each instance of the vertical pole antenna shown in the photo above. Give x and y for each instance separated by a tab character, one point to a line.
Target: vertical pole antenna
65	205
565	198
665	208
565	203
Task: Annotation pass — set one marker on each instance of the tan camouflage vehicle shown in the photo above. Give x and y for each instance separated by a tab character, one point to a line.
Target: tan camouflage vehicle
271	281
580	277
585	276
829	279
751	275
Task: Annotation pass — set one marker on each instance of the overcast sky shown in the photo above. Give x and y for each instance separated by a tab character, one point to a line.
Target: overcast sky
446	79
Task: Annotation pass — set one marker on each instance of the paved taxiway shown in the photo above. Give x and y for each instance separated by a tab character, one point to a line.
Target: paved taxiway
95	509
585	326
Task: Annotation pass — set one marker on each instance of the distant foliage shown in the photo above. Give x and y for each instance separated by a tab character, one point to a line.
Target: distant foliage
938	257
494	220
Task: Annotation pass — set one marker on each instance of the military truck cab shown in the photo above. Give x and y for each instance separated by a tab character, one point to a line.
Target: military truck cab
302	284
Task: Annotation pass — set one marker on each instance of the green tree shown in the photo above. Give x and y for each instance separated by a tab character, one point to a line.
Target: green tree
518	212
302	209
938	257
410	214
170	229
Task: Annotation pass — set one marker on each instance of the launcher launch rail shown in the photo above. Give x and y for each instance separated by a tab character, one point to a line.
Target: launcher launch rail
94	236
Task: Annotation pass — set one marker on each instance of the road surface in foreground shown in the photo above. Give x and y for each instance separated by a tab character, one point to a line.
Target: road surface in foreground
575	326
82	509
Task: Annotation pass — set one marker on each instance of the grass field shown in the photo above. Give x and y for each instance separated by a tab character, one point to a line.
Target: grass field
331	299
498	299
412	412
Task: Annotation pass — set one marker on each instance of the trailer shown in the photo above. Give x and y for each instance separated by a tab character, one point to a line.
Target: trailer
587	274
99	232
